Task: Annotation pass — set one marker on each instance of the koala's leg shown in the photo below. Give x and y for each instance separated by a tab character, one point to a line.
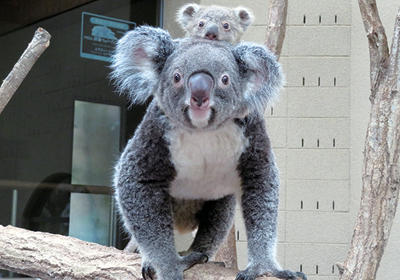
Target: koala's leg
260	198
260	207
147	211
215	221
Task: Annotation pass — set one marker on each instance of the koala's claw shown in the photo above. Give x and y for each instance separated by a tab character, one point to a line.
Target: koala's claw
244	277
194	258
287	274
301	275
184	263
148	271
222	264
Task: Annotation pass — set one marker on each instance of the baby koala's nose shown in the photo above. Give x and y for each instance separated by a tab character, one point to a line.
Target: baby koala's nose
212	32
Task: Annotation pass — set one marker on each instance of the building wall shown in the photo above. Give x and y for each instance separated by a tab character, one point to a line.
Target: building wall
317	129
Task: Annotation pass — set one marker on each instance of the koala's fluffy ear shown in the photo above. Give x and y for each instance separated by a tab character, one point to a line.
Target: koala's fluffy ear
245	17
185	14
261	75
139	58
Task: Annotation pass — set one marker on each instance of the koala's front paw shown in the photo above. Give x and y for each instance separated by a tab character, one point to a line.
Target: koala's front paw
173	269
252	273
287	274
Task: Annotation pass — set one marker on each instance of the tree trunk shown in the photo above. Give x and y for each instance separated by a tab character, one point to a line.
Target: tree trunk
276	29
52	257
39	43
380	190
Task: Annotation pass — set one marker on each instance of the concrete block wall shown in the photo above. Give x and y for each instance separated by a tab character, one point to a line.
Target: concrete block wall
317	128
316	61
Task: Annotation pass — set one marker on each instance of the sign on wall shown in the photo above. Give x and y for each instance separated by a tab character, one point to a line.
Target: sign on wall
99	35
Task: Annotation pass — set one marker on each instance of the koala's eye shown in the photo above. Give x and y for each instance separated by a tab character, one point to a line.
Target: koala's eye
225	79
177	78
226	25
201	24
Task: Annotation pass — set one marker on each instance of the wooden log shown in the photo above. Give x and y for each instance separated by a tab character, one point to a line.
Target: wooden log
51	257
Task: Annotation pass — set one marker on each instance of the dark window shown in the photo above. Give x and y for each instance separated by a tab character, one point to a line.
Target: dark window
61	118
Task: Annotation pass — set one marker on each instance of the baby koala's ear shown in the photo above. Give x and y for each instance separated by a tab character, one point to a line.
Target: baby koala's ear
260	73
185	14
139	59
245	17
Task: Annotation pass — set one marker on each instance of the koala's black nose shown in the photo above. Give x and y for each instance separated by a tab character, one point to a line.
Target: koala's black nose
200	86
212	32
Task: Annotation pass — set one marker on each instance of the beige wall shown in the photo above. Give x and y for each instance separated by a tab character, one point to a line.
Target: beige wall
318	130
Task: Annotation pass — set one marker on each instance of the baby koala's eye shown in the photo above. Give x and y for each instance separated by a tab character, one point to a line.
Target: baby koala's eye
226	25
201	24
177	78
225	79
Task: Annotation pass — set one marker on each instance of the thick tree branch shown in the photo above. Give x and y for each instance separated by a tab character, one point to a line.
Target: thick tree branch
51	257
381	181
276	29
39	43
377	41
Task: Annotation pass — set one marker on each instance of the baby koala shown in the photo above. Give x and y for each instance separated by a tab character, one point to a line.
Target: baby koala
214	22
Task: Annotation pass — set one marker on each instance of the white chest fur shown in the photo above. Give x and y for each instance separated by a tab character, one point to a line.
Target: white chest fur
206	162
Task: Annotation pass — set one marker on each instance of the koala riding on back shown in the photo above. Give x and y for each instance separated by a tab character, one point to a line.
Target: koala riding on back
214	22
201	145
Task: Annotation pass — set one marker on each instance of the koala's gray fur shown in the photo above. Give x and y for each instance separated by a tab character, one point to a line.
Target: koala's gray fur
201	144
214	22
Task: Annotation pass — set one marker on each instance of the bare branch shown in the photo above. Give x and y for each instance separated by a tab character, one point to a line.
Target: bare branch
394	61
276	29
227	252
52	257
39	43
377	40
381	180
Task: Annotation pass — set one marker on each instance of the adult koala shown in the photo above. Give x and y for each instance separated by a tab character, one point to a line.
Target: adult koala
201	144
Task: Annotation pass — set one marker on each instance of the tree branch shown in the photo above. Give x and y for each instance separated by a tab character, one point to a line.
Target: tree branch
381	181
227	252
377	41
39	43
51	257
276	29
394	60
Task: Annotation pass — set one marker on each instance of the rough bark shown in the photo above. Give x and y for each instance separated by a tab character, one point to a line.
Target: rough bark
377	41
39	43
276	26
52	257
227	252
380	190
